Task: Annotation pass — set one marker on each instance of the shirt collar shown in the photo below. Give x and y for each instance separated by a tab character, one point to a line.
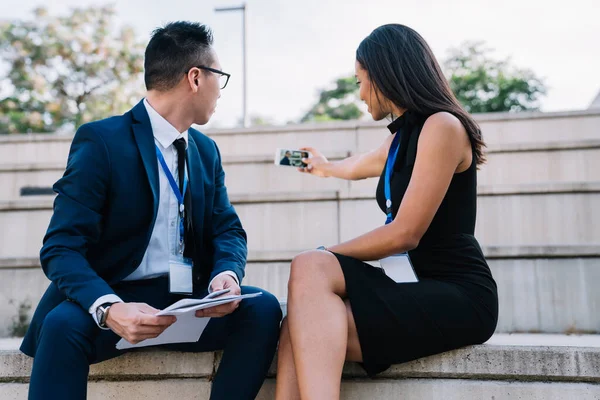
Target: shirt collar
163	131
397	123
408	118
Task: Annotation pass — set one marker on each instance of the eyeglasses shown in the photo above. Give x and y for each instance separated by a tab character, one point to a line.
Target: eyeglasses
223	76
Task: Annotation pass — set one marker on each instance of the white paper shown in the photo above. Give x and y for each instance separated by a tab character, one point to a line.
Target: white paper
180	276
399	268
188	328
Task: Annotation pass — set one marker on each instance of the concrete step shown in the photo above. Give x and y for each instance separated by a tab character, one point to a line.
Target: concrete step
541	289
345	137
521	215
507	215
531	163
512	366
539	163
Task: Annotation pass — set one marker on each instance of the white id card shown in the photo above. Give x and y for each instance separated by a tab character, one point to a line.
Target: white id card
399	268
180	275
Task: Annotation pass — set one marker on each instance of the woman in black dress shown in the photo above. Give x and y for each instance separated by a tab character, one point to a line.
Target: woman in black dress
339	307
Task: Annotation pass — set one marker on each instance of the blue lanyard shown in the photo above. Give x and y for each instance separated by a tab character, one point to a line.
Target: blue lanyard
389	167
179	195
174	185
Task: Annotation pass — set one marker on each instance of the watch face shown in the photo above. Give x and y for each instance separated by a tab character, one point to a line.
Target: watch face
99	314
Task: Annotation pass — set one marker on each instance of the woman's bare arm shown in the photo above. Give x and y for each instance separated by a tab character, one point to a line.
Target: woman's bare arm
360	166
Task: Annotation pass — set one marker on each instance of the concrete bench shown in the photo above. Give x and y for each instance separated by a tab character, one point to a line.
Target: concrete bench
507	367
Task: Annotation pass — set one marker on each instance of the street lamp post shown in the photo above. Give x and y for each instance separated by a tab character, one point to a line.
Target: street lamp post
242	8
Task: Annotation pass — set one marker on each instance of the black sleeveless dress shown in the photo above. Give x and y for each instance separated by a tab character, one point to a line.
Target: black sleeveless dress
455	302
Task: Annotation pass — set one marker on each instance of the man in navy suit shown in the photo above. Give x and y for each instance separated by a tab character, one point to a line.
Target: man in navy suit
286	159
142	219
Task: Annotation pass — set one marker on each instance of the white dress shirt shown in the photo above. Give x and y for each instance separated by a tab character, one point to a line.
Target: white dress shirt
163	241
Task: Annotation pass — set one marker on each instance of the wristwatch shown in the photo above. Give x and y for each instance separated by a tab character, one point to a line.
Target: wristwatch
102	313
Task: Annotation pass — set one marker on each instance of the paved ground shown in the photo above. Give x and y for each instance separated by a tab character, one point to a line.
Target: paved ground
543	339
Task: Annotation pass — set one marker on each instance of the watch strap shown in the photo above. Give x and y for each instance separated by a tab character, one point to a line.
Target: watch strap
103	314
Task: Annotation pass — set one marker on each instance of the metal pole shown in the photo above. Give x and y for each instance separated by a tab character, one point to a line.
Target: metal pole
242	8
245	76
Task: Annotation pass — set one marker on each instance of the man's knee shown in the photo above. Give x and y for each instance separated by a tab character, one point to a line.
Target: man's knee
268	307
264	309
68	321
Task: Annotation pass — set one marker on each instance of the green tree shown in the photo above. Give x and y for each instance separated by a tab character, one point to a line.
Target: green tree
20	322
339	103
64	71
483	84
260	120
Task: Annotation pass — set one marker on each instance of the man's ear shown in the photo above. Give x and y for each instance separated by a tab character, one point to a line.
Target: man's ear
194	77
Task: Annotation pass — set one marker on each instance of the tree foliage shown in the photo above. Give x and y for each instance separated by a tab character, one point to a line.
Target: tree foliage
483	84
63	71
339	103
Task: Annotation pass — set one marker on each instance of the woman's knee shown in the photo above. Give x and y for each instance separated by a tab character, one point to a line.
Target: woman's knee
307	268
312	270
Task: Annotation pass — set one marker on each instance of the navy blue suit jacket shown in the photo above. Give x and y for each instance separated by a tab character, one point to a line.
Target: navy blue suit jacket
105	210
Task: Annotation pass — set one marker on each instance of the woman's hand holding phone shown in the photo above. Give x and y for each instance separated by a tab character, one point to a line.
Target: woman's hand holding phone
316	165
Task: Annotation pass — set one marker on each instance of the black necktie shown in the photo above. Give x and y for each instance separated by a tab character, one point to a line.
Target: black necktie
180	146
188	234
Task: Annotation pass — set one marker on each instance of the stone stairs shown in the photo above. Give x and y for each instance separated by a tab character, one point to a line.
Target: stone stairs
507	367
538	223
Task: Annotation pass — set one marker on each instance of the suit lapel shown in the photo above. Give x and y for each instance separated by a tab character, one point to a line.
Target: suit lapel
196	183
196	206
144	138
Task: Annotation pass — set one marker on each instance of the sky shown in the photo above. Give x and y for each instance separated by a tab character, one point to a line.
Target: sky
296	47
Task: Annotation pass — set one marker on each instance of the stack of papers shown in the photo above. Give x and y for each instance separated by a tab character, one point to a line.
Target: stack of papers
188	328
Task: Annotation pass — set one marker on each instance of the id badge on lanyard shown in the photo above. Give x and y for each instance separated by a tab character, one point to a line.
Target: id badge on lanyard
398	266
180	267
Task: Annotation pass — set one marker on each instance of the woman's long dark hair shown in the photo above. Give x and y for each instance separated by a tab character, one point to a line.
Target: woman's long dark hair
403	68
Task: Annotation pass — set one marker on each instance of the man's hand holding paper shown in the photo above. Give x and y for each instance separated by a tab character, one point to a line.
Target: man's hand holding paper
188	327
221	282
135	322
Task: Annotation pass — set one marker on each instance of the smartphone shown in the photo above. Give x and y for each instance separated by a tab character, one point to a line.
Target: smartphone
217	293
290	158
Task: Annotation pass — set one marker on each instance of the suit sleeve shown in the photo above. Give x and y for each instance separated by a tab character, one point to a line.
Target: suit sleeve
77	220
228	236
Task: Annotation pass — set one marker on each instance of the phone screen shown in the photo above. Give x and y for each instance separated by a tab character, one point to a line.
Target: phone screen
291	158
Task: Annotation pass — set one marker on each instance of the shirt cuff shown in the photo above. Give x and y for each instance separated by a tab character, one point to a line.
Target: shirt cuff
230	273
109	298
